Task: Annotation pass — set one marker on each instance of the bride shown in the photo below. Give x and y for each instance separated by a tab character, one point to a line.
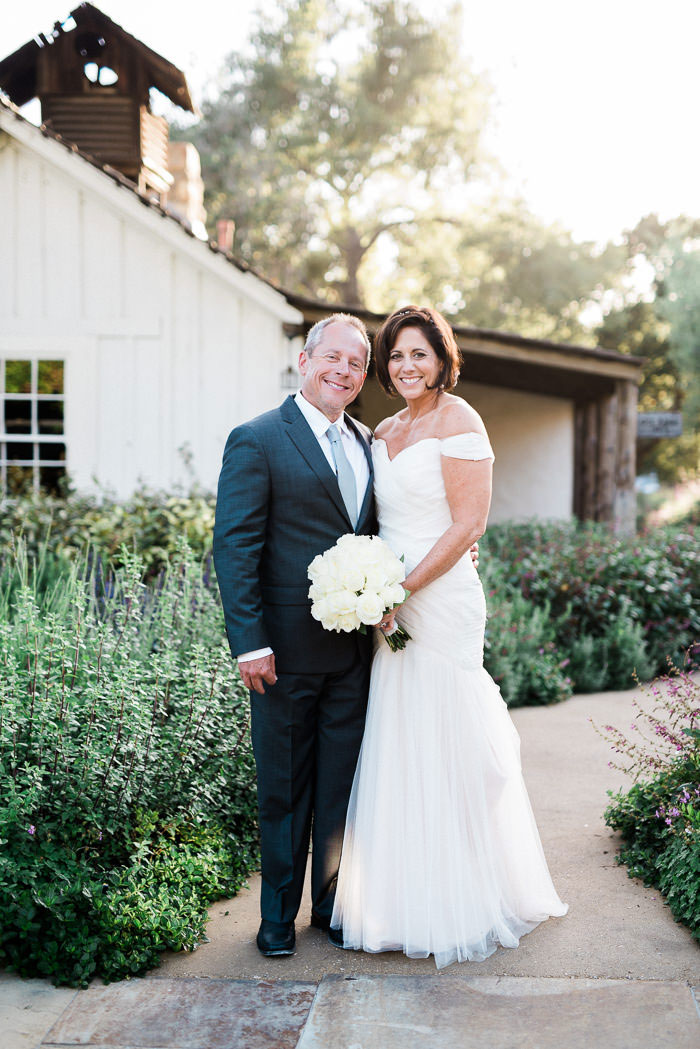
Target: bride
441	853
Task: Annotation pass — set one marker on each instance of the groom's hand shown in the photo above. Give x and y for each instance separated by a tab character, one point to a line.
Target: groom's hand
474	551
257	673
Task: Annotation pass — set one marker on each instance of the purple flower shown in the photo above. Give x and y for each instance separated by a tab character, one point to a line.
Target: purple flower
31	830
99	836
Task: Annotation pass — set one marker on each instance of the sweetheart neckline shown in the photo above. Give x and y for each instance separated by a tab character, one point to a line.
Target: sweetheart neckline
408	446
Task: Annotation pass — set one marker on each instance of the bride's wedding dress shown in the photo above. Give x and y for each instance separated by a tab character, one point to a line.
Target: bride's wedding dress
441	853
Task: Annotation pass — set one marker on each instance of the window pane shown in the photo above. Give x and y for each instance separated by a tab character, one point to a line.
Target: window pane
57	452
18	377
50	414
18	416
50	478
19	479
20	451
50	377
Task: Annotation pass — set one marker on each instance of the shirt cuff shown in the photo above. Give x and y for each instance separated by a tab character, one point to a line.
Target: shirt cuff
257	654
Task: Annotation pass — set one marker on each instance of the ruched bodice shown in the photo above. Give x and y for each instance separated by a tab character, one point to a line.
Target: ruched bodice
441	853
413	512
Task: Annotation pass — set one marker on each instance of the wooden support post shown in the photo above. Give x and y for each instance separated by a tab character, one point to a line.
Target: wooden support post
590	461
607	458
625	505
579	459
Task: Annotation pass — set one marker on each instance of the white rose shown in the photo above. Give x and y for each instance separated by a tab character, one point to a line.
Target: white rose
348	542
325	582
394	568
347	622
342	602
352	577
375	576
319	591
316	566
320	610
393	594
370	608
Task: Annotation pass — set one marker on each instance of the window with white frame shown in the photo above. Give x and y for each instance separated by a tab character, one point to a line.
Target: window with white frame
32	438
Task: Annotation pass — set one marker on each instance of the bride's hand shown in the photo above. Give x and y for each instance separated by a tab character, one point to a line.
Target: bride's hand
387	624
474	551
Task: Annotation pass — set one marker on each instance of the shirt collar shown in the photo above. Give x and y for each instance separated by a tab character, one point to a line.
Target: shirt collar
319	422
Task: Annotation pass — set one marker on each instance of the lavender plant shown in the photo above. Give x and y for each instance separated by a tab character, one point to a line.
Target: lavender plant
123	726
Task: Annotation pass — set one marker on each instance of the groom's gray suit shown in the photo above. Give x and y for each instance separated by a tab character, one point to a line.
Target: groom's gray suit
278	506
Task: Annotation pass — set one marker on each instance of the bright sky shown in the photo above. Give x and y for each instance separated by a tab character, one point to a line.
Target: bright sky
596	103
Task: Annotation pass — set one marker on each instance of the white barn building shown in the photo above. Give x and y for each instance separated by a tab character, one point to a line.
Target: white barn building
129	347
157	343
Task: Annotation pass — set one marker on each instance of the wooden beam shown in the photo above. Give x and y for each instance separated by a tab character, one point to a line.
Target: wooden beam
579	459
607	458
625	504
590	462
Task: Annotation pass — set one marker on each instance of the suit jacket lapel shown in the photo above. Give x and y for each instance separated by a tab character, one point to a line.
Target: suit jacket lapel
305	441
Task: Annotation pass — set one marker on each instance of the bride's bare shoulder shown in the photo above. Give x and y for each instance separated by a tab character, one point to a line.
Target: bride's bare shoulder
384	428
458	416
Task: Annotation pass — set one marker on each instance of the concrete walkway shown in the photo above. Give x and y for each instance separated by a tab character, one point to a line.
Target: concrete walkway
616	971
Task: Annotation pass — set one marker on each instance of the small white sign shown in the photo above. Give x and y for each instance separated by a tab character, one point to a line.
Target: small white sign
659	424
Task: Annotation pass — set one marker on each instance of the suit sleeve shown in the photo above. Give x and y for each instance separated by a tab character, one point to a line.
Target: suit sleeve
242	506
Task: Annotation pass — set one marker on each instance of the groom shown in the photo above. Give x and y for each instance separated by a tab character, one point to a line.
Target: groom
292	482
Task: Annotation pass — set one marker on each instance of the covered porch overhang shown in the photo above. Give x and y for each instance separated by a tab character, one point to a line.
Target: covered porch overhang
600	384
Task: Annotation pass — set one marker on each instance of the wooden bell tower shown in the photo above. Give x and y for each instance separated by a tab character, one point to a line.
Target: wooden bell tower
93	80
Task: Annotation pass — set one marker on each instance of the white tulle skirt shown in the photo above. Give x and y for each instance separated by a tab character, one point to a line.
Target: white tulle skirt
441	853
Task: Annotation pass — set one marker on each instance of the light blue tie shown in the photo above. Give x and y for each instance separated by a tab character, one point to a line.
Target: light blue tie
344	472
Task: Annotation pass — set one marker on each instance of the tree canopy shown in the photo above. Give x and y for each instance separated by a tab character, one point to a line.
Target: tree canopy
663	327
334	127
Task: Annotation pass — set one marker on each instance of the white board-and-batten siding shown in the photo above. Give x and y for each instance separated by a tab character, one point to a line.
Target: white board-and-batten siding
166	344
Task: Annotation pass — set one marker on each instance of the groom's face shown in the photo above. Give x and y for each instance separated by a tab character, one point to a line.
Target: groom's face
333	375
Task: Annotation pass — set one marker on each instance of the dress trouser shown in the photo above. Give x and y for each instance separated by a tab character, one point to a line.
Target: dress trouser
307	730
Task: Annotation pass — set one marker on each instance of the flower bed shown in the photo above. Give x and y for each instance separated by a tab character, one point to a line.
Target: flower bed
126	773
614	605
659	817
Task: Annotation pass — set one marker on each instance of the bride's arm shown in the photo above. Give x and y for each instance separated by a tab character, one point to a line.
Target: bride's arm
468	490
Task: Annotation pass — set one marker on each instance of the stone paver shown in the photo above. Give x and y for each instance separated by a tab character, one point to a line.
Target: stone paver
27	1010
445	1012
185	1014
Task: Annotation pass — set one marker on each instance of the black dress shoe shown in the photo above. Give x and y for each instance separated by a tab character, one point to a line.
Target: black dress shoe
276	938
335	937
319	922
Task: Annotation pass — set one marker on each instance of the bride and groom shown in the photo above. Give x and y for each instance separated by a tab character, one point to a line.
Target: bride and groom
402	768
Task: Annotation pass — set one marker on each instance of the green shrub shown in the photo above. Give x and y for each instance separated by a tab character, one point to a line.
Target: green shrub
589	663
150	523
625	652
520	655
592	582
659	817
116	700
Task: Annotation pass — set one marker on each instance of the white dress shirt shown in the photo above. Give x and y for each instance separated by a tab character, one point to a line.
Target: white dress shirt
352	447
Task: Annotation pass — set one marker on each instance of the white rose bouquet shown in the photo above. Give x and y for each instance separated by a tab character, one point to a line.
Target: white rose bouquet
354	583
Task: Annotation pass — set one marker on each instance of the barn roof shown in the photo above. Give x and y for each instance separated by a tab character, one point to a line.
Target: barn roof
18	72
26	131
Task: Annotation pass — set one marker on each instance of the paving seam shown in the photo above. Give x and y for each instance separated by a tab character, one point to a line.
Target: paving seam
313	1005
695	999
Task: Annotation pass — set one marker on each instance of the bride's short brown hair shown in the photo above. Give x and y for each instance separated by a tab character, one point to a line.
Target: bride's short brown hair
438	333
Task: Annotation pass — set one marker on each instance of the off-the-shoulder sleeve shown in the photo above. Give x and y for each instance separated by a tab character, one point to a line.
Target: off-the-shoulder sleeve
467	446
